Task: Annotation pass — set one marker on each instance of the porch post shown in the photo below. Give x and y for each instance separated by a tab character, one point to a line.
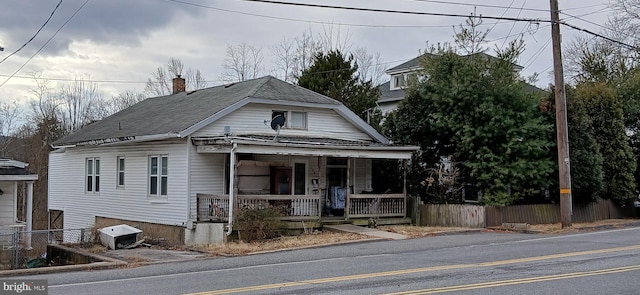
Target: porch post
232	185
404	177
29	212
348	195
404	185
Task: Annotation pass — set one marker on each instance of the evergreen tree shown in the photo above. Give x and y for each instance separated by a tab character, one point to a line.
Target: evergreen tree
335	76
604	108
587	175
476	109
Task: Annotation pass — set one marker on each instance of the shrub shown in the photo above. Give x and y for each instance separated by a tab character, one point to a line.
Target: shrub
258	223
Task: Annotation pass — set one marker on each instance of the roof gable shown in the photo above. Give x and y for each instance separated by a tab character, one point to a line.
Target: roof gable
180	114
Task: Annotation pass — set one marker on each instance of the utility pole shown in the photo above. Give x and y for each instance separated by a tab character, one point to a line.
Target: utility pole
561	120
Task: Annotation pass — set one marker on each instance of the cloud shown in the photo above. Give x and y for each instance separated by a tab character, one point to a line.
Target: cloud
113	21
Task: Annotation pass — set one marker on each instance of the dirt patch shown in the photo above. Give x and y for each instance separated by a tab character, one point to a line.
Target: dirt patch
419	231
305	240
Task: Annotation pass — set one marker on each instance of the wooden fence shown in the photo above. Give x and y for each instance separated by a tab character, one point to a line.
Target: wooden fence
452	215
483	216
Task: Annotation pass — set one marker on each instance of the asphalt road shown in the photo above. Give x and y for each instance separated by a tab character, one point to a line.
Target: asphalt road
603	262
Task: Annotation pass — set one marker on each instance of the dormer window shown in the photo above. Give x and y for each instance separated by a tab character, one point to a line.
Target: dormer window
399	81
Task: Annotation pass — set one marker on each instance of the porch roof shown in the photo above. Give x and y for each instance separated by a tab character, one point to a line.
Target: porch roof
303	147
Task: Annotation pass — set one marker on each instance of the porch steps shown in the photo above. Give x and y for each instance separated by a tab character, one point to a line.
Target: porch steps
350	228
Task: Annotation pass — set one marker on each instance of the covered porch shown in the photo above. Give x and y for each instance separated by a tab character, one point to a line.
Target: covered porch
12	173
311	181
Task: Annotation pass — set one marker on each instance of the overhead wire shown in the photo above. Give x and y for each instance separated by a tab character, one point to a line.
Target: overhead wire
45	44
307	21
34	35
514	23
391	11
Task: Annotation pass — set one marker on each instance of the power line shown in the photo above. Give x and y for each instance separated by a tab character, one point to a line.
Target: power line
393	11
45	43
600	35
309	21
36	34
498	6
438	14
601	26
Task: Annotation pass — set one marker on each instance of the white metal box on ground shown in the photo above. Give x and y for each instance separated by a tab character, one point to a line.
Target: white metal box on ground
118	234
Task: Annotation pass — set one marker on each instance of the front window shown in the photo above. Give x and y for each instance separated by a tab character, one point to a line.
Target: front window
158	175
92	175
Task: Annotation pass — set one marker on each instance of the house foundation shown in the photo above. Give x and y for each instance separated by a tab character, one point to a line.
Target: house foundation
171	235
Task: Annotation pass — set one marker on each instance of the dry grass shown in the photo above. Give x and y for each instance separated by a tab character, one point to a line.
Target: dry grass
557	227
418	231
242	248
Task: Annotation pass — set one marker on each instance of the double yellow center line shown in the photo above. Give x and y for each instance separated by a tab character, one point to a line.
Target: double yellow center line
445	267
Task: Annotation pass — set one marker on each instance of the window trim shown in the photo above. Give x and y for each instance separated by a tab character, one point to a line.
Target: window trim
121	169
161	175
92	186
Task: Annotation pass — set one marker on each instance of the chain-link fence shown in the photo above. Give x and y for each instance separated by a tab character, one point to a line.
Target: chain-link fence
27	249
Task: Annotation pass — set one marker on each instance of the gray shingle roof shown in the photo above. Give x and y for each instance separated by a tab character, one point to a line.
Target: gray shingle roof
386	94
415	62
174	113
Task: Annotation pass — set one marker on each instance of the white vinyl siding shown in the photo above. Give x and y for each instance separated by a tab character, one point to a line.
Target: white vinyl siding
250	119
207	177
65	193
7	205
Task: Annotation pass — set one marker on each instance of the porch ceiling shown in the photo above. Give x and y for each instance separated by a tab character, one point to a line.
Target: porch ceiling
360	150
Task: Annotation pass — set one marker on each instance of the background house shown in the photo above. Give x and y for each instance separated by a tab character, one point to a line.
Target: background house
176	166
393	91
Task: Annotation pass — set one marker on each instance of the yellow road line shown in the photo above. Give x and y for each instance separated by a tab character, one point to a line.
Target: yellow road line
413	270
519	281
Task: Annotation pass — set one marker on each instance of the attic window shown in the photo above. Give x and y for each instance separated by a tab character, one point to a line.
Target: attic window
399	81
293	119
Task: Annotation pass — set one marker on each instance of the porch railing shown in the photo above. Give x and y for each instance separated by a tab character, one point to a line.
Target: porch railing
298	207
376	205
302	207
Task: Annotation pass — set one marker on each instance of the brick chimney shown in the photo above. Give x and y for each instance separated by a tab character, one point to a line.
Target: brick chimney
178	84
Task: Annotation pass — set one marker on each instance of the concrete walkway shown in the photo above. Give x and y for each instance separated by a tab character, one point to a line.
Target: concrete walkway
350	228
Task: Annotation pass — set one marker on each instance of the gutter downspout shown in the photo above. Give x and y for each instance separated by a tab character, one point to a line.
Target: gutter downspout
232	173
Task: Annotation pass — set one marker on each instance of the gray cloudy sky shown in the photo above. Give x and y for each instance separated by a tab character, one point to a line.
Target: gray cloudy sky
118	41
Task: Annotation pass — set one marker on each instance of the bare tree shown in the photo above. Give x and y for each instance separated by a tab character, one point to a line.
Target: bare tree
161	81
120	102
242	62
331	38
284	59
305	51
44	104
370	66
80	100
9	115
296	55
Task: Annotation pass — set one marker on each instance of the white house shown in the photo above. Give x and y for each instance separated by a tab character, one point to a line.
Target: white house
11	173
393	91
171	165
